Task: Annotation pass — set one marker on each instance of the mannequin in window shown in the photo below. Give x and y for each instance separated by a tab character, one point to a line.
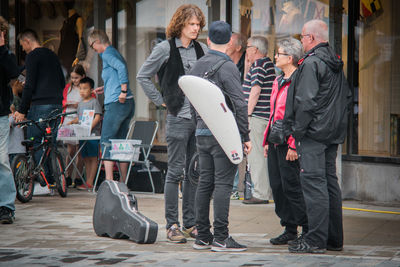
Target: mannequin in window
291	20
71	38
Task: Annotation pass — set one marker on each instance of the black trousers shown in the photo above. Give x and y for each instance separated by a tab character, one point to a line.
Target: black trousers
286	189
321	192
216	176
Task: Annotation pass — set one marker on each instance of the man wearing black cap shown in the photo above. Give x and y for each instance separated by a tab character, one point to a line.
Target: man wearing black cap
216	171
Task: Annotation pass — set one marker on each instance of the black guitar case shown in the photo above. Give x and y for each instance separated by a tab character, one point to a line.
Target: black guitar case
116	215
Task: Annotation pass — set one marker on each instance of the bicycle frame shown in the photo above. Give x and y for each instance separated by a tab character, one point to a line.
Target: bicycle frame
39	167
46	145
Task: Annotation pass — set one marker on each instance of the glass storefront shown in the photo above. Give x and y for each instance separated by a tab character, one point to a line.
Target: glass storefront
369	45
152	18
378	92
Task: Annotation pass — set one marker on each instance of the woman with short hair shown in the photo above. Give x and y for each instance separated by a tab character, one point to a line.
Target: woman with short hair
119	105
283	165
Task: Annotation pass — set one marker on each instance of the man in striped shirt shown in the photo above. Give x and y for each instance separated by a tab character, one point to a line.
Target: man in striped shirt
257	87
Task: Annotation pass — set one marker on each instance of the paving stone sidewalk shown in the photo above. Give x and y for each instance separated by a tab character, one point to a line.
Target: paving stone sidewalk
52	231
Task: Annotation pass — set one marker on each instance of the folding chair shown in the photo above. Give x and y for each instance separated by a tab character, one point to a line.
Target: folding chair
138	130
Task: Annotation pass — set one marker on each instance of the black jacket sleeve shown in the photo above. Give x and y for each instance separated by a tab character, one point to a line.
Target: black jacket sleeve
8	71
30	82
8	63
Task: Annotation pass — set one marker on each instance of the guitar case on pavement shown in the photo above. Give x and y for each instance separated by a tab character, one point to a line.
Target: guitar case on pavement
116	215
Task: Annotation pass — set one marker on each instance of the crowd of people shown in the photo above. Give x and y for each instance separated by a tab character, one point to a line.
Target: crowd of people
291	116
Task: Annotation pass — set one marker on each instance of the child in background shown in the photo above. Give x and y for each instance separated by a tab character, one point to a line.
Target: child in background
91	149
16	133
71	98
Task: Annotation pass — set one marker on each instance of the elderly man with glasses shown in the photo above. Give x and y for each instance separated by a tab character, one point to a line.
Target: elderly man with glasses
319	114
257	87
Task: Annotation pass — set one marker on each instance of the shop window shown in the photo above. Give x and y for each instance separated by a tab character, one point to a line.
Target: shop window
276	19
378	93
47	18
143	26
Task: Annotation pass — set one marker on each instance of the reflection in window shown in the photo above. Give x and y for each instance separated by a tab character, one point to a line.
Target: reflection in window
379	79
276	19
152	18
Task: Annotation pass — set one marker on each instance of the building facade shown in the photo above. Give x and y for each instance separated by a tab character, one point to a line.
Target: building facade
365	33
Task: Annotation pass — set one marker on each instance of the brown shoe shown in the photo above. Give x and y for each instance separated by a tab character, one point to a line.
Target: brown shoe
255	200
174	235
190	232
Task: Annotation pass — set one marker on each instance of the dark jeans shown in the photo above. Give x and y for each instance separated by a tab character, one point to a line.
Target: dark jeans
35	113
216	176
181	147
286	189
321	191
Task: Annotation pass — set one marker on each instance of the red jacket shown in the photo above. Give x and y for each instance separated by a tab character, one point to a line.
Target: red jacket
65	94
279	93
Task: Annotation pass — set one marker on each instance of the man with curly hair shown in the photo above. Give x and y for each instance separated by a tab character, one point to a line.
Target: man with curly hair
171	59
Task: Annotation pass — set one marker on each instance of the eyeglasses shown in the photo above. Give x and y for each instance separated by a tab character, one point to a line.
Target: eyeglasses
282	54
304	35
91	45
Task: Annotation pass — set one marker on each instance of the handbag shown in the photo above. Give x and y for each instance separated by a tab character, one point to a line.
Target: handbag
276	133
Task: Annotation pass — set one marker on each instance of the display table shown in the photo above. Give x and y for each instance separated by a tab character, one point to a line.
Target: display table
75	138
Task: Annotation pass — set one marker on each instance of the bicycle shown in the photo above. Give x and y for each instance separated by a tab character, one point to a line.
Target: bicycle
25	169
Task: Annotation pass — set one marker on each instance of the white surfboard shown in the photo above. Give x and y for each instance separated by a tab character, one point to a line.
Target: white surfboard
209	102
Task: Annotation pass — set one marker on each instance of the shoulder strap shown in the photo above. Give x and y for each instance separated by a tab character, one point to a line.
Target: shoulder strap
210	73
214	69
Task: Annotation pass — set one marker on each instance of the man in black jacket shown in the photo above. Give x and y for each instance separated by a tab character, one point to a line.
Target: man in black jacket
320	109
216	170
42	93
8	71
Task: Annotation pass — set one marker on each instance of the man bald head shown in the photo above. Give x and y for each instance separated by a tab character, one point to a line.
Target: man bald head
314	32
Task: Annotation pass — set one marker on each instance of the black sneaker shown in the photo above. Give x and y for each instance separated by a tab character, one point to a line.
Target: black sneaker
203	244
227	245
296	241
6	215
304	247
332	248
283	239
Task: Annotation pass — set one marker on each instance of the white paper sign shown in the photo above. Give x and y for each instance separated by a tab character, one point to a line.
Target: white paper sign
87	119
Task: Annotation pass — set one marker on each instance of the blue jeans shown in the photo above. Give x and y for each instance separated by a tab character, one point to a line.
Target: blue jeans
7	185
117	117
42	112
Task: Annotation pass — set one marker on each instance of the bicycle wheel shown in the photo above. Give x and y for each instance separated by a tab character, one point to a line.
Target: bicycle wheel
57	165
22	176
